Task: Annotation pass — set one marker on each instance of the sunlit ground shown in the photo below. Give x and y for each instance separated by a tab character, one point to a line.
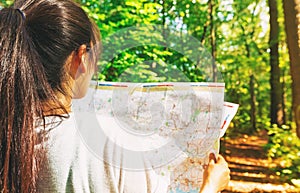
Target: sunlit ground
251	170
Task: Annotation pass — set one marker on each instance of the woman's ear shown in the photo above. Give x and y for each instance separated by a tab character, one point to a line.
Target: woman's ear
78	64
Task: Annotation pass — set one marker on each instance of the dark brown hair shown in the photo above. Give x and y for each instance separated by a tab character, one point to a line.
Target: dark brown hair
36	38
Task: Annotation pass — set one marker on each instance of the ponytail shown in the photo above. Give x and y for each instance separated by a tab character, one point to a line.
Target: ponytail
35	43
20	79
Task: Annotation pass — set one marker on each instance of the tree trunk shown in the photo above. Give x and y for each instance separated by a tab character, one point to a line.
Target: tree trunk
283	91
213	40
276	91
253	101
292	23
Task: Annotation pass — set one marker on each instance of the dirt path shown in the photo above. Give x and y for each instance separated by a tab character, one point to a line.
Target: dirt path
251	170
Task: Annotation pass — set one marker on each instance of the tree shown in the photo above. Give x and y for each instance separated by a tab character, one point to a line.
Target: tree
276	89
292	24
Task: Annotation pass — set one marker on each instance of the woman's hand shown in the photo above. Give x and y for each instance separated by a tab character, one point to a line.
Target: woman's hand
216	176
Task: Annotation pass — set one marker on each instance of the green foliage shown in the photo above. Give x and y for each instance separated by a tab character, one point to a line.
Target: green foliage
241	40
144	62
285	146
242	53
5	3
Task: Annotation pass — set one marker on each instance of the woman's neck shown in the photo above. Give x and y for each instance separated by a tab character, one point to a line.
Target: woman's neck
59	106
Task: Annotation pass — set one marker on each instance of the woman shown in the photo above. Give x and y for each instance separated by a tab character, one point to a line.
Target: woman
44	63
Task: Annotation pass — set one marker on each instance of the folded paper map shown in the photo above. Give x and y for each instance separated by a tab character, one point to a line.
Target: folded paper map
170	128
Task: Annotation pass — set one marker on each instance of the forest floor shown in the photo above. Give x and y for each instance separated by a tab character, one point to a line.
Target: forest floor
251	170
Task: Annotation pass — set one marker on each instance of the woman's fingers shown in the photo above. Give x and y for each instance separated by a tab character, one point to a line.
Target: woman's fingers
212	157
216	175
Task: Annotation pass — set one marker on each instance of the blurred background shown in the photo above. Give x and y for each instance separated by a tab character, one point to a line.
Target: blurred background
255	47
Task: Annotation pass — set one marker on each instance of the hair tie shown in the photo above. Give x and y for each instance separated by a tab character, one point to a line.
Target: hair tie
22	13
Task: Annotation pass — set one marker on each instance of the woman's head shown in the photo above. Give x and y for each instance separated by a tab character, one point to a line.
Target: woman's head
58	28
43	45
